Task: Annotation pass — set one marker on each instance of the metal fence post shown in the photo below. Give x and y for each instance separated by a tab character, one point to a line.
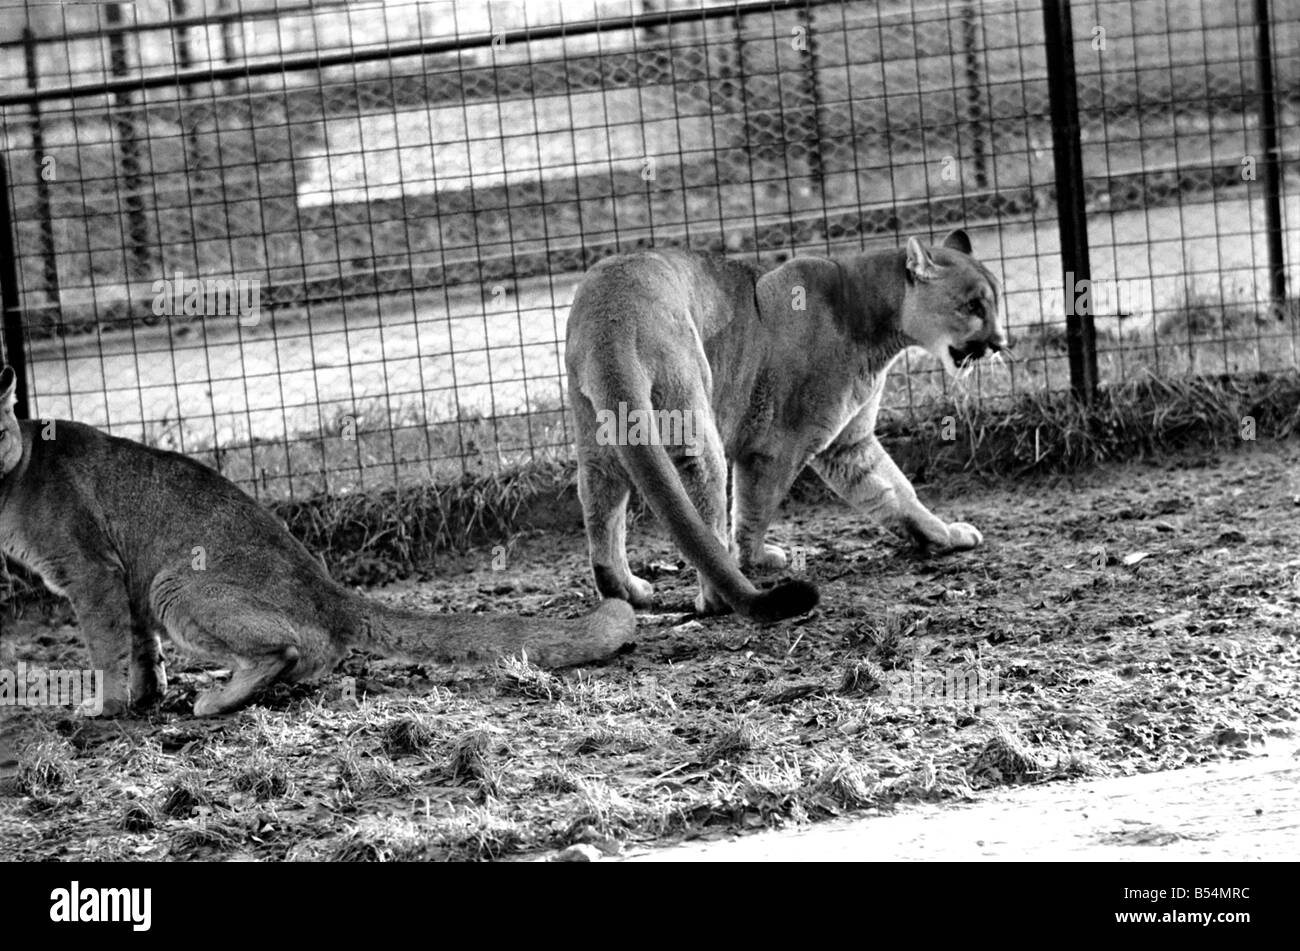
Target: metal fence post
970	36
1067	155
14	353
185	60
49	256
816	163
132	180
1272	159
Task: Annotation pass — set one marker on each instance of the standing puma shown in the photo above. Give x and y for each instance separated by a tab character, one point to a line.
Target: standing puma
775	371
137	537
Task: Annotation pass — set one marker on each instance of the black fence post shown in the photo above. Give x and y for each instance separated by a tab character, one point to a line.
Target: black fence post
970	37
816	163
1272	159
1067	154
185	61
49	257
132	181
228	54
14	352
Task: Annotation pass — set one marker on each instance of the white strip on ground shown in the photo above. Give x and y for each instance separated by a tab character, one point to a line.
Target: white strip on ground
1239	811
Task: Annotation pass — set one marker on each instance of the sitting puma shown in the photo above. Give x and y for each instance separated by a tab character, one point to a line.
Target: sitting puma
137	537
774	371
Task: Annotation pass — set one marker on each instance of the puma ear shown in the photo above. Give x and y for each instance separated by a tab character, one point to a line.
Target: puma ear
958	240
8	384
919	262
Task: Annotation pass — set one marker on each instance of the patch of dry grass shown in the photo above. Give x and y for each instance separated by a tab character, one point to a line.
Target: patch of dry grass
519	677
733	742
216	833
407	736
372	776
47	766
472	834
1006	759
139	816
264	777
188	791
1044	432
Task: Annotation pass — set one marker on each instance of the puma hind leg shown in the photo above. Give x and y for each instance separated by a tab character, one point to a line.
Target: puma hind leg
604	490
250	678
703	472
759	484
223	623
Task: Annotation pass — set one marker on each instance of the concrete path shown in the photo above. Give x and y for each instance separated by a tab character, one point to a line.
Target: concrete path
1241	811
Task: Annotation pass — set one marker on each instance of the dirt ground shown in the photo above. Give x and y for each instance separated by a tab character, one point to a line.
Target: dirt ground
1129	619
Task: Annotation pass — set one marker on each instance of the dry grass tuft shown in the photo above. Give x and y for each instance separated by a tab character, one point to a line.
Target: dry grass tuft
1005	759
187	792
46	766
862	678
471	762
405	736
375	776
216	833
519	677
264	776
843	784
474	834
734	742
138	816
556	780
614	737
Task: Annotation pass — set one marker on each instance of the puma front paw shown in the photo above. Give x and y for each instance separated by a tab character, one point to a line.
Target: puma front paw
640	593
962	536
635	591
770	557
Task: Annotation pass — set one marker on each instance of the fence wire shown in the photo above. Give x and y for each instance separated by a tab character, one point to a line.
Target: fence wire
329	247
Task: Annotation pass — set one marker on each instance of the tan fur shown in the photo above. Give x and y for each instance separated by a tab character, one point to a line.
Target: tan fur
139	538
772	385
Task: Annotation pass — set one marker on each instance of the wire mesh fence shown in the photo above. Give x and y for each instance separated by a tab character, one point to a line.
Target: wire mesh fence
328	247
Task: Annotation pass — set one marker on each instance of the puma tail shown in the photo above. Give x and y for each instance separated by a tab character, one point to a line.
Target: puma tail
422	637
659	483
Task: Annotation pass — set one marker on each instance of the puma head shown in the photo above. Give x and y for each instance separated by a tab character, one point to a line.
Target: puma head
11	441
951	303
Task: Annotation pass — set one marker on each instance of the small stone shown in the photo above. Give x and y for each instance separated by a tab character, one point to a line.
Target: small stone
582	852
607	845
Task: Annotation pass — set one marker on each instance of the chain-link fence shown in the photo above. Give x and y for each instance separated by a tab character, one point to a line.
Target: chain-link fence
331	246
